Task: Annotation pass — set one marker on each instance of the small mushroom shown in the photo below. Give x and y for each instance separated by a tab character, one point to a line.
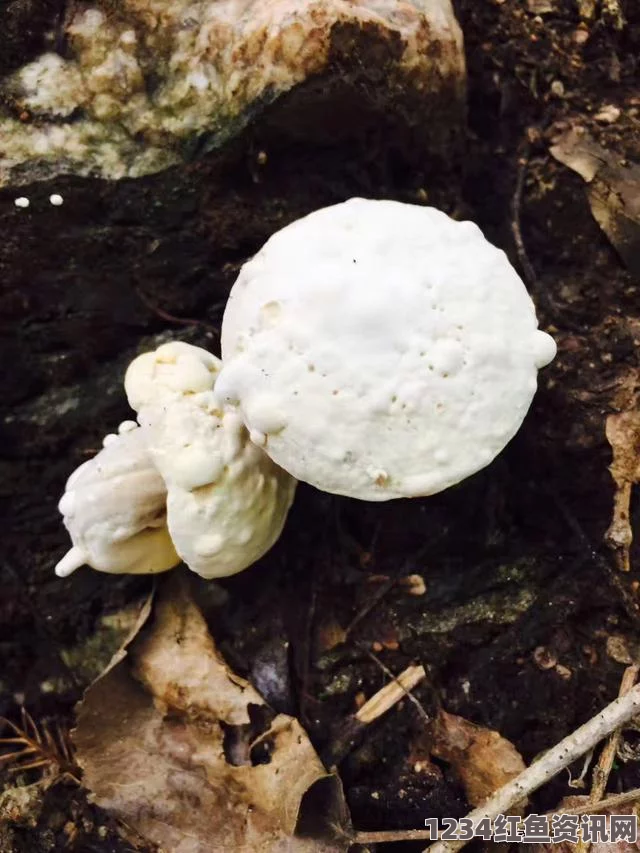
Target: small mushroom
227	501
114	508
173	369
380	350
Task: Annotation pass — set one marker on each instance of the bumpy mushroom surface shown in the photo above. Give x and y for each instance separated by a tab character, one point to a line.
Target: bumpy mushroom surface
380	350
227	501
114	508
172	370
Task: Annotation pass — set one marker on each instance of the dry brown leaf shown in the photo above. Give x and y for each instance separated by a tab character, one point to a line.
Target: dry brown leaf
613	190
623	434
483	760
152	736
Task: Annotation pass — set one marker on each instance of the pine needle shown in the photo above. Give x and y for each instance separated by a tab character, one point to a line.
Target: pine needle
45	747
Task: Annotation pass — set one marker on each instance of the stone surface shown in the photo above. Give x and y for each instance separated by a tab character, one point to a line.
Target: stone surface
129	93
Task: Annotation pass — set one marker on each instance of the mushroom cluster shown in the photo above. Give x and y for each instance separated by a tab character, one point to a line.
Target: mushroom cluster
185	484
373	349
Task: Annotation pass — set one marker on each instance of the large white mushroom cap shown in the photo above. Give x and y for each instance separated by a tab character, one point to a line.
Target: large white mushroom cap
227	502
381	350
114	508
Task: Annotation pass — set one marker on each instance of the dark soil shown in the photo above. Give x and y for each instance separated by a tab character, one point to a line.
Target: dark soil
513	558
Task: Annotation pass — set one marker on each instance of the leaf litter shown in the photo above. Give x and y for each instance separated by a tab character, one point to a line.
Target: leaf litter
613	189
187	753
623	434
482	759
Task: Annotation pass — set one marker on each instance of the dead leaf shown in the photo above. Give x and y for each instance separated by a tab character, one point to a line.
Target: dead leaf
329	634
613	191
623	649
158	733
483	760
623	434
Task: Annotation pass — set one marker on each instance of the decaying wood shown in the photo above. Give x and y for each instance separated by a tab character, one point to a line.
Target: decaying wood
623	434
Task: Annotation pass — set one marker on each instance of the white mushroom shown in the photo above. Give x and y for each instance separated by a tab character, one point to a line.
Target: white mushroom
227	501
114	508
380	350
173	369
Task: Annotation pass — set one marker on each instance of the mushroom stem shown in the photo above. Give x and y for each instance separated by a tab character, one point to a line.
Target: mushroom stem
72	560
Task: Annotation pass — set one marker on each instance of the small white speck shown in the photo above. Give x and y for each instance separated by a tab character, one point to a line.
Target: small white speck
21	201
56	199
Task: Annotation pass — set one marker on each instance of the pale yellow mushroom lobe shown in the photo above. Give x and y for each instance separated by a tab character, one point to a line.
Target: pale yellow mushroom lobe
114	508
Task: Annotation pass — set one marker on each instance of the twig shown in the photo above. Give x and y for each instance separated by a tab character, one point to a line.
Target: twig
306	649
392	835
516	227
608	754
377	597
171	318
609	803
629	603
407	691
532	281
352	728
387	586
390	694
552	762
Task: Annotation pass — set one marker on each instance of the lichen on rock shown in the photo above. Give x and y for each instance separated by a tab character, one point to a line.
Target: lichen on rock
144	84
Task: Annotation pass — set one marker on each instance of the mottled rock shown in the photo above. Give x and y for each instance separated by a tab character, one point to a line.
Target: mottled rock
157	81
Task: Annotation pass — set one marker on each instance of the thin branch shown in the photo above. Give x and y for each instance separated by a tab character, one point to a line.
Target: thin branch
408	692
516	227
171	318
305	663
351	729
387	586
552	762
390	694
608	754
369	605
627	600
389	835
607	804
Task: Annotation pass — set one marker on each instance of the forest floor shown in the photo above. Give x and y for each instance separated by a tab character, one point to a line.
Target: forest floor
524	623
